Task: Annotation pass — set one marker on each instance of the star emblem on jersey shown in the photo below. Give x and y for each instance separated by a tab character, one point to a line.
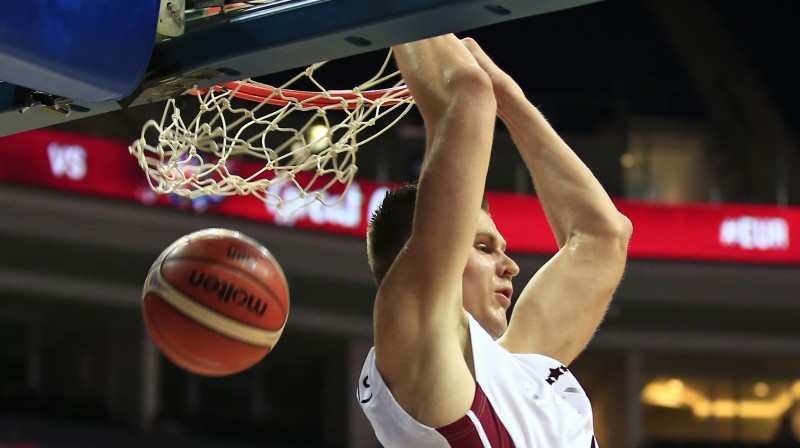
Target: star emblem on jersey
555	374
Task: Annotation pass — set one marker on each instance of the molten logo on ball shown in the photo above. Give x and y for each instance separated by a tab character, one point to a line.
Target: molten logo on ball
228	292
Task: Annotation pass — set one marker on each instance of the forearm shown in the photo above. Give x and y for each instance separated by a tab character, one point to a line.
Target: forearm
573	199
456	100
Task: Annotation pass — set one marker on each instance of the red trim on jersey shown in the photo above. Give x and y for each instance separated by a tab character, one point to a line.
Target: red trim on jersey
463	434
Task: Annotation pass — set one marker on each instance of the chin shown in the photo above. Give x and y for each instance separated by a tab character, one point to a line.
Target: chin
497	331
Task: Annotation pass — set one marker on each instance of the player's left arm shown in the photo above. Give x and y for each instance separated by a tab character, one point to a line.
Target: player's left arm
560	309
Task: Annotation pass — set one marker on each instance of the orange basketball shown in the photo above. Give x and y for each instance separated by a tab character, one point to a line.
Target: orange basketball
215	302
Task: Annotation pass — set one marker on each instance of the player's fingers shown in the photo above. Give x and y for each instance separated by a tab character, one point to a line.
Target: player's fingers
471	44
505	87
430	57
477	52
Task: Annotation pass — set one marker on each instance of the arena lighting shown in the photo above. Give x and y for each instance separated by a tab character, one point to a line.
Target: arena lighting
664	393
761	389
675	386
627	160
318	137
669	393
796	390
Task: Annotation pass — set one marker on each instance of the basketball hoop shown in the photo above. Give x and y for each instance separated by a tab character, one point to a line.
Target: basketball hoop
206	155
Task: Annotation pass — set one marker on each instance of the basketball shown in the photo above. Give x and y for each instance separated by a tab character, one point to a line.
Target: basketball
215	302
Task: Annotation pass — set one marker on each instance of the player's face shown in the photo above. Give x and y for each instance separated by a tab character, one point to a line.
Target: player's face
487	289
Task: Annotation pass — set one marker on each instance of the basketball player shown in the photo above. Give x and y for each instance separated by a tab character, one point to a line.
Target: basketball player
447	369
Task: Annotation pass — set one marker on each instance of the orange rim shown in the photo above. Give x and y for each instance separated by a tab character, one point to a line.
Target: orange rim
335	99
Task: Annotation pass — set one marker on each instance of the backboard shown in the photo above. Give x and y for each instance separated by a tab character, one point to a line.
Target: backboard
86	60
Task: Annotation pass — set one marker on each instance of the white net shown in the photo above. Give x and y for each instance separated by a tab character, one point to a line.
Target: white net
309	139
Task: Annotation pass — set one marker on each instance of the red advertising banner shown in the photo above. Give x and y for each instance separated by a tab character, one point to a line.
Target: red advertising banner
704	232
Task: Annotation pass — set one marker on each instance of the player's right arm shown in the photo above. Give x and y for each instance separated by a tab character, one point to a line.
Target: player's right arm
562	306
421	330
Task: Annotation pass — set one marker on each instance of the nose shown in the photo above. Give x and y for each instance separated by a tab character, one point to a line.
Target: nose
507	267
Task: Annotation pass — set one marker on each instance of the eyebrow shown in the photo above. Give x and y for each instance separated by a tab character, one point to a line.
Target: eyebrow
493	239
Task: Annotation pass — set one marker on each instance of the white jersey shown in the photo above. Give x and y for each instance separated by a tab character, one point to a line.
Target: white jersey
523	401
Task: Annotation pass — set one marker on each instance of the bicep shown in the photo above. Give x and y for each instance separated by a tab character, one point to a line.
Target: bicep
418	343
562	306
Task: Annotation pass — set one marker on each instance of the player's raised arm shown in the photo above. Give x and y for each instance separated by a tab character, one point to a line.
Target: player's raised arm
420	325
563	304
